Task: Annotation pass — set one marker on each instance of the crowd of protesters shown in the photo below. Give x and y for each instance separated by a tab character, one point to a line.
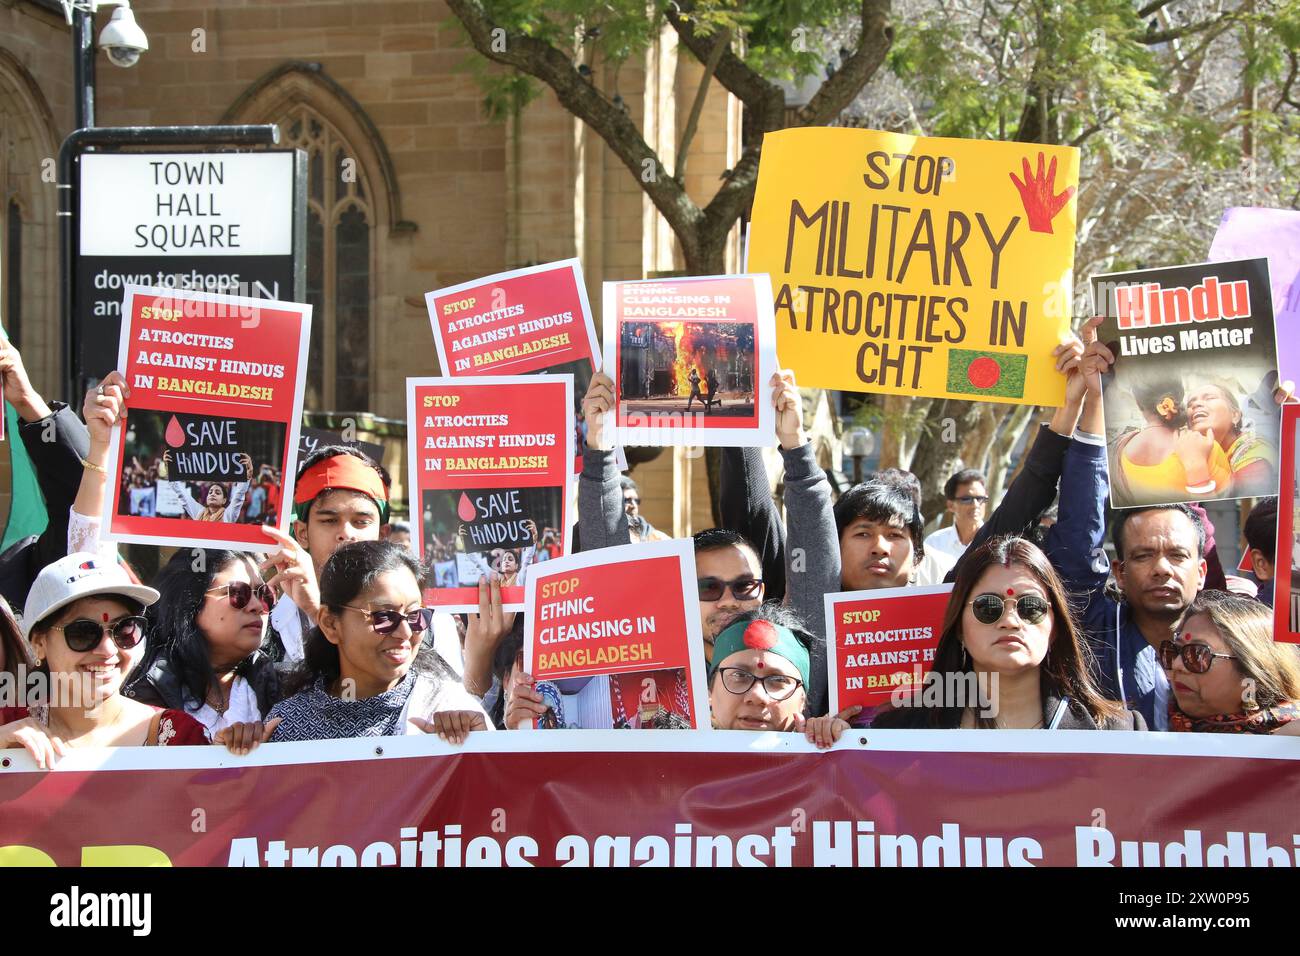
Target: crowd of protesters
325	636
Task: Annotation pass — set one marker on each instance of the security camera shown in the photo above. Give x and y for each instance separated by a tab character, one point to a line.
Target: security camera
122	39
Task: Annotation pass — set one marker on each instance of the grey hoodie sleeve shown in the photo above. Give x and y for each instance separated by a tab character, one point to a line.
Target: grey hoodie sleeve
812	557
602	522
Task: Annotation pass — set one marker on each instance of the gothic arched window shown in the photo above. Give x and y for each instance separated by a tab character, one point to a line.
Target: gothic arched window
339	263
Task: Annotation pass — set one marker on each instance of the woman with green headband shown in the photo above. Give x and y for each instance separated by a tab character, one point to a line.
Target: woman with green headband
759	675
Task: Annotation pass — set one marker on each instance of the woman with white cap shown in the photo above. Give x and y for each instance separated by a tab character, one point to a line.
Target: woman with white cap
83	621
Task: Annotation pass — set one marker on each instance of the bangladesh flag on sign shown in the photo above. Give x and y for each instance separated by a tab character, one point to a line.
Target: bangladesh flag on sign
986	373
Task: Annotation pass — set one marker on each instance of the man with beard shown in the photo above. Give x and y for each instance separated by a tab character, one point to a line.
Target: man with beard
1163	557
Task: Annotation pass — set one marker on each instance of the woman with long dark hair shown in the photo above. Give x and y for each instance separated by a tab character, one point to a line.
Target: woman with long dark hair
364	671
1010	655
205	651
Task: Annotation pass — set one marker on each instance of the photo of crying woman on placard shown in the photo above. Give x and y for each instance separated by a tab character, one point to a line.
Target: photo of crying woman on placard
200	467
1195	436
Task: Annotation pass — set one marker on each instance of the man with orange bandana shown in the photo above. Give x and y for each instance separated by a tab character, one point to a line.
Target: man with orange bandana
340	496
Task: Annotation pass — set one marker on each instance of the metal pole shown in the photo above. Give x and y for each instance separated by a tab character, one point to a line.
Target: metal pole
117	136
83	67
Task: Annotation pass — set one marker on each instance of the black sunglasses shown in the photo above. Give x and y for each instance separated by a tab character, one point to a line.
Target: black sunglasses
387	621
83	635
241	592
743	589
1198	658
989	608
972	499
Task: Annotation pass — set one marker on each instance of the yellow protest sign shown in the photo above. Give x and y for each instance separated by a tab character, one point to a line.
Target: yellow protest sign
909	265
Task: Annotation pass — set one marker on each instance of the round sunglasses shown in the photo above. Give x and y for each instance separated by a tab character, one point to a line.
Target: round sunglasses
83	634
241	592
1198	658
989	608
387	621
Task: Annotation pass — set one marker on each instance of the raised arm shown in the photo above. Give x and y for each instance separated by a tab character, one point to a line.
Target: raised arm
103	409
239	491
179	488
747	506
812	543
602	522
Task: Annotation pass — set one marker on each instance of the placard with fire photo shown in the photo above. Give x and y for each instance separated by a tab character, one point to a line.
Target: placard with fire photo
690	359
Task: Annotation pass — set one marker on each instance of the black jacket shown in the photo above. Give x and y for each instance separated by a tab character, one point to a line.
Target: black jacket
162	686
56	446
1076	718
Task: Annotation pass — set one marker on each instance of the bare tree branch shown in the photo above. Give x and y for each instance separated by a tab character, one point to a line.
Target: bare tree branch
701	94
548	64
764	99
838	91
1151	8
1155	37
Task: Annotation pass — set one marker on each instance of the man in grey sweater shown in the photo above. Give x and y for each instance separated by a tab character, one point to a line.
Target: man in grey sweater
728	566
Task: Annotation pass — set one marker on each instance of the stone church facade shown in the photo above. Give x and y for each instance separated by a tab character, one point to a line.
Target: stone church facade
412	186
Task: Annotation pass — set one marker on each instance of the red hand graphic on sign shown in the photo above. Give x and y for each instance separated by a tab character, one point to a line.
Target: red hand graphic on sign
1037	195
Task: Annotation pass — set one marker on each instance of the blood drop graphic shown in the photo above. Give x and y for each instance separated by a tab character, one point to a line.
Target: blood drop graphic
465	508
175	434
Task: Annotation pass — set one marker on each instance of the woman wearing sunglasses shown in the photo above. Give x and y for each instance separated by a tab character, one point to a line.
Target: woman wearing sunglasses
83	621
205	655
364	673
1011	651
1227	673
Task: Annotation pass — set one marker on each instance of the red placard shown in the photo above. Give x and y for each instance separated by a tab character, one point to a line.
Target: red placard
489	480
1286	570
884	641
613	638
521	321
213	378
536	319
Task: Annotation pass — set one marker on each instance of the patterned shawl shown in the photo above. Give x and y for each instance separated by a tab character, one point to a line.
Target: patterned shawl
1262	721
316	714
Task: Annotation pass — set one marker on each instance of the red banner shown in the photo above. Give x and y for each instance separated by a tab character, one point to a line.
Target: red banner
591	798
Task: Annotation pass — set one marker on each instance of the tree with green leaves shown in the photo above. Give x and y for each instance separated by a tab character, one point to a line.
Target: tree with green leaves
1181	108
746	47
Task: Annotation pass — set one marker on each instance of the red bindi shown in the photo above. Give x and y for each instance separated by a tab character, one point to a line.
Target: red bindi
105	618
1010	592
760	664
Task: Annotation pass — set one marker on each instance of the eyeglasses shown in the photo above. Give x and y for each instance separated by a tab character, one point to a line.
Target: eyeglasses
742	589
972	499
989	608
83	635
241	592
778	686
1198	658
387	621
